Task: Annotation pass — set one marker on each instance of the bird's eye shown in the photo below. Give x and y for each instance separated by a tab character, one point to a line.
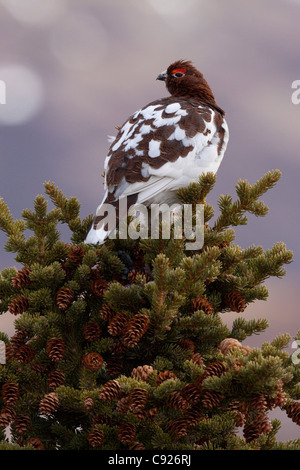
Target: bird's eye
178	73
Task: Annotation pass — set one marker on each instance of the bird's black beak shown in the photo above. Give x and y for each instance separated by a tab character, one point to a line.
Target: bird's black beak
162	76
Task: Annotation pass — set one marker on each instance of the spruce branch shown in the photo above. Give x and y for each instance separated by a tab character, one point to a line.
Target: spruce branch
233	213
196	193
241	328
69	212
14	230
41	223
7	222
121	298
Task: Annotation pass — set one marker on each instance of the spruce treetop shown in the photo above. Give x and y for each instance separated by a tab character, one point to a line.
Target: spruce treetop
125	345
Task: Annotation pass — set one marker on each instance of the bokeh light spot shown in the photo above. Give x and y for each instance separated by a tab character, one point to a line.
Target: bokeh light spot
24	94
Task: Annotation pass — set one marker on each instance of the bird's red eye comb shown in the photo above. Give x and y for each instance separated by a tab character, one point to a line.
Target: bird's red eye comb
179	71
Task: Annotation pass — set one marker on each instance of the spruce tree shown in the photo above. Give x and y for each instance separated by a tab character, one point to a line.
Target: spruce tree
125	345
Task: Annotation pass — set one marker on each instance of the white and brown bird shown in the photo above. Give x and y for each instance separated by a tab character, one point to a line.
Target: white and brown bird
165	145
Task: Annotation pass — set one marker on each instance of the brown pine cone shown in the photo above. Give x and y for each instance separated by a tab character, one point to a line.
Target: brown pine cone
92	331
271	403
7	414
186	343
25	354
235	301
222	244
239	419
92	361
8	351
293	411
110	391
210	398
55	379
18	339
117	324
123	405
139	413
260	425
131	277
10	393
126	433
176	401
197	359
233	406
251	432
18	305
258	403
135	329
193	416
76	254
142	372
138	253
179	426
214	368
138	398
136	272
88	403
135	445
191	393
240	411
55	348
164	375
243	407
280	398
200	303
96	437
230	343
36	443
49	403
22	278
107	313
264	422
64	297
99	286
21	423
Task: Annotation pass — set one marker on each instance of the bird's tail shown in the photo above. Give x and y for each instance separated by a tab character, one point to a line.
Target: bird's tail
107	219
99	230
97	236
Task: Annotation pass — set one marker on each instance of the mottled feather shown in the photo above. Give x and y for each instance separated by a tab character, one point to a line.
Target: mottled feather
165	145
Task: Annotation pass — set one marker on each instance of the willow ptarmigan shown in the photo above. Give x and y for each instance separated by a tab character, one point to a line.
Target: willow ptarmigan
166	145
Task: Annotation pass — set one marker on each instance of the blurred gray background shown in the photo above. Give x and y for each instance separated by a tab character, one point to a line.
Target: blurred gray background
76	68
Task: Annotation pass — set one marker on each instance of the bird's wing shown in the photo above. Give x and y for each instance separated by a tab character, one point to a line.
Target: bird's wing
161	144
162	147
